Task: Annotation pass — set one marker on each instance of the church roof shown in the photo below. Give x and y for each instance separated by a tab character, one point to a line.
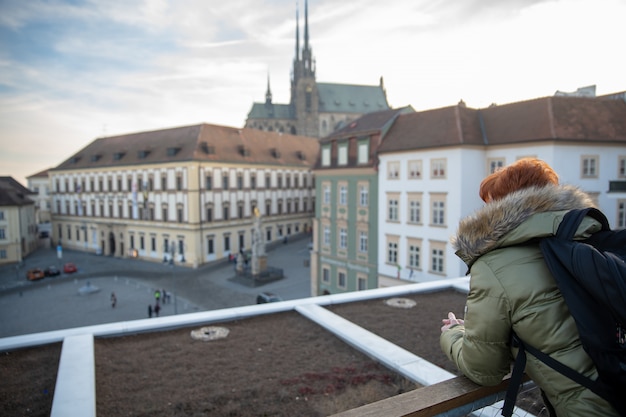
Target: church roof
347	98
271	111
204	142
12	193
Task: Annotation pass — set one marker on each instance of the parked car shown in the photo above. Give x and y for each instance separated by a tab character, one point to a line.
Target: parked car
69	268
51	271
267	297
34	274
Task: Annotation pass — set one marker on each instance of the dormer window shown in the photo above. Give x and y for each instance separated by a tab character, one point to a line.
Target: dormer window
95	158
300	155
275	153
75	159
172	151
207	149
243	151
143	154
118	155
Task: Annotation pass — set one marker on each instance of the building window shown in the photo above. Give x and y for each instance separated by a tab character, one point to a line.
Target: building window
326	156
253	182
210	246
437	262
268	181
364	195
240	182
393	170
3	254
179	214
227	243
341	279
326	275
495	164
225	211
326	240
589	166
621	214
342	154
343	238
153	243
208	182
343	194
439	209
279	206
392	252
392	208
363	241
279	181
621	167
415	208
415	170
438	168
361	283
240	209
2	234
225	182
163	182
363	152
326	193
414	255
164	214
287	180
209	213
179	182
268	208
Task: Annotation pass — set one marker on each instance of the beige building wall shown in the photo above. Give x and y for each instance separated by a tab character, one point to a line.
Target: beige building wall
18	232
199	211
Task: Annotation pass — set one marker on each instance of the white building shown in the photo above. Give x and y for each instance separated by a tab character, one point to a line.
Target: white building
432	163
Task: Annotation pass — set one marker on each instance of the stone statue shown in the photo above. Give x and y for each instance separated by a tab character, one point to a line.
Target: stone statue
259	258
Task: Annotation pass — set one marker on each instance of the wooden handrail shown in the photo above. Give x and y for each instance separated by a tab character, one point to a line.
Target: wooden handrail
429	401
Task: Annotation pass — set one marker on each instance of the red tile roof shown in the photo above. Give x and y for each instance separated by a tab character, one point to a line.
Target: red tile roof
202	142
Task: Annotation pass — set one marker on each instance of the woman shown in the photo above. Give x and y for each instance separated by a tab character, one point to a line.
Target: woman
511	287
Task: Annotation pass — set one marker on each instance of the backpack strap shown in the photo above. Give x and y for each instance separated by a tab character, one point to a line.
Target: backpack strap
520	365
573	218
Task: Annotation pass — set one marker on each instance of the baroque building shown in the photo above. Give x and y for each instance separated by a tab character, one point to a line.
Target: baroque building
18	227
315	109
186	194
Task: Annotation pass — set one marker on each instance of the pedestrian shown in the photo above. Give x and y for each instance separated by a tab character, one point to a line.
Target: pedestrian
511	288
157	309
157	296
164	295
149	310
113	300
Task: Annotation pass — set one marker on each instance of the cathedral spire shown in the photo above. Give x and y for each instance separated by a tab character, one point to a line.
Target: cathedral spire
268	93
297	33
306	25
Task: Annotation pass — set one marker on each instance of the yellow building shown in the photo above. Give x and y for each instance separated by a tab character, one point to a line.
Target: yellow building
18	228
187	192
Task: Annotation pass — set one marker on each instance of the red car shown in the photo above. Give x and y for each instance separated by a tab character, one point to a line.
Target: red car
69	268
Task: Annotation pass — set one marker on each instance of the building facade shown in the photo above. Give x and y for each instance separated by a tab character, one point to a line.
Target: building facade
185	194
39	184
315	109
18	227
432	163
345	251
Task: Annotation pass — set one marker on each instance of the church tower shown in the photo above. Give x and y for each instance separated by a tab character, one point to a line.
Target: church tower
304	92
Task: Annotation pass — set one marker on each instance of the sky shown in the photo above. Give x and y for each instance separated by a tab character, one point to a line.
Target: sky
72	71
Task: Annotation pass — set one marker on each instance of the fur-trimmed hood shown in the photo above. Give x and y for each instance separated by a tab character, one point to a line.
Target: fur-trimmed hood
488	227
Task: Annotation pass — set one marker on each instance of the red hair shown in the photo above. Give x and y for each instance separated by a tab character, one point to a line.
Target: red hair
524	173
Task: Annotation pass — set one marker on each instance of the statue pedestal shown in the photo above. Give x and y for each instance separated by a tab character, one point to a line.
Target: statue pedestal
259	264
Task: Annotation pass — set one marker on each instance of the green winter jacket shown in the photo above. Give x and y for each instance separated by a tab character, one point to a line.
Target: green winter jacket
511	288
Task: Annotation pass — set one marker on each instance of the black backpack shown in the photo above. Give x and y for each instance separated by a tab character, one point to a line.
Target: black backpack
591	275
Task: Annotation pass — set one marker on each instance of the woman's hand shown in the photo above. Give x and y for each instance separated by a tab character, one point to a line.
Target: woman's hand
450	321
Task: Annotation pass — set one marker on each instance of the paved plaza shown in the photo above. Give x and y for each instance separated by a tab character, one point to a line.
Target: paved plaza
56	302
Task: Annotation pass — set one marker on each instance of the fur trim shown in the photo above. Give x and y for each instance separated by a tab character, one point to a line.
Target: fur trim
480	232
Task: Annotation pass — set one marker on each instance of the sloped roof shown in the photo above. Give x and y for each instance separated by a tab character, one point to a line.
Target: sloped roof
40	174
346	98
556	118
270	111
547	118
447	126
370	122
204	142
12	193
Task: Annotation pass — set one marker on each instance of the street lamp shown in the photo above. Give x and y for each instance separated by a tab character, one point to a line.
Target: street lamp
172	253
